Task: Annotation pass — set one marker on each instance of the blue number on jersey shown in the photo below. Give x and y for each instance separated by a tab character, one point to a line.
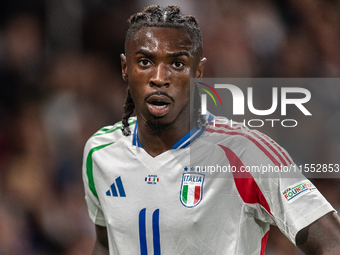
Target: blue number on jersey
155	232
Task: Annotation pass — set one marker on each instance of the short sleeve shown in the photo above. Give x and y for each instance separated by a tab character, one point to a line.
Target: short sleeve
93	203
294	203
291	201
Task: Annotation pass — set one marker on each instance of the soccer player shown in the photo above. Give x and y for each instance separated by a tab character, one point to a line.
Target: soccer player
144	193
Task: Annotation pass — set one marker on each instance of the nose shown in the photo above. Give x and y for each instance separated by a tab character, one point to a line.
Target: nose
160	76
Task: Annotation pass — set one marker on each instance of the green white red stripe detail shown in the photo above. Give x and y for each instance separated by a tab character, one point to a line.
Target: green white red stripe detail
191	194
192	189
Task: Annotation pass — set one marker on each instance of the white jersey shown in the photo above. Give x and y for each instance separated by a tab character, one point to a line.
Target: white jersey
186	200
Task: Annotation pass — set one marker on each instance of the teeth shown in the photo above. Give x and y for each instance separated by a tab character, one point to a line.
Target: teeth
159	106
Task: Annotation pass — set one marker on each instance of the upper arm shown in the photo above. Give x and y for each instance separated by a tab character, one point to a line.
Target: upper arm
102	245
321	237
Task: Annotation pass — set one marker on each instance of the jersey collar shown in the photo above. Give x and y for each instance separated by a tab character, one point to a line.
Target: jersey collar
184	142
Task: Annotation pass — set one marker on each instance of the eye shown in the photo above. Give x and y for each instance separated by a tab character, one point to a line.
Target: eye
144	63
177	65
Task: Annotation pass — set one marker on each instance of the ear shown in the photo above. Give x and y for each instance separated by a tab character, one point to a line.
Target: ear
200	68
124	66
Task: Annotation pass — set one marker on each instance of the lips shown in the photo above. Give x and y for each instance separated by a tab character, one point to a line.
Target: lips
158	105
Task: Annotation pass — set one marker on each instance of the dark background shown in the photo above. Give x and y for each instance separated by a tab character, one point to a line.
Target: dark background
60	82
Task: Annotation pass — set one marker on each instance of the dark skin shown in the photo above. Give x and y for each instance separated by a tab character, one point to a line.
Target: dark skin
163	59
101	246
321	237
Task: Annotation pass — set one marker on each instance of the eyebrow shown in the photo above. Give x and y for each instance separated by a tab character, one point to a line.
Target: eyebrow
179	53
145	53
150	55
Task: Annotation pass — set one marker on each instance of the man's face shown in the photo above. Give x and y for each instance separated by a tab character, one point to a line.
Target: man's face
158	65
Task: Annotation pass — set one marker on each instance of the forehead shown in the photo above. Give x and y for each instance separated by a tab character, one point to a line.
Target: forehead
155	39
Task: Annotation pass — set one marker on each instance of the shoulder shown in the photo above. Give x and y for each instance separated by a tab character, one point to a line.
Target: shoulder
245	142
224	129
107	135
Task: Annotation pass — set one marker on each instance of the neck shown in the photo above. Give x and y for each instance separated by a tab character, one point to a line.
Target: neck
155	143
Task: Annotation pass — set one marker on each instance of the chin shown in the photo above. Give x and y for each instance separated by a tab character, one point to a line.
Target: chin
157	126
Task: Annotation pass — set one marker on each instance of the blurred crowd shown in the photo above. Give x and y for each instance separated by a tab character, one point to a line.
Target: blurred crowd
60	82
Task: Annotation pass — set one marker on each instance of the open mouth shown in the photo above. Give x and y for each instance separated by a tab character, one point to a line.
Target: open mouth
158	109
158	105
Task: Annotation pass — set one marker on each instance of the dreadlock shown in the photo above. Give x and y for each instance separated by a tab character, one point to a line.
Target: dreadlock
129	106
168	17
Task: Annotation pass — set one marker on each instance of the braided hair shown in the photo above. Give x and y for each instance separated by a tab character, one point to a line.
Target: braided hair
168	17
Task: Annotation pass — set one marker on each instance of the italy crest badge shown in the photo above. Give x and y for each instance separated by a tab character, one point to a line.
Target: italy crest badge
191	189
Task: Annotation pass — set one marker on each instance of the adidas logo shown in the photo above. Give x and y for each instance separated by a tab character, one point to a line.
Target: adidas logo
113	191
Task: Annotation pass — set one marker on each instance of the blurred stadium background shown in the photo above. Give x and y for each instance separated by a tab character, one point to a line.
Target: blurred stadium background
60	82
